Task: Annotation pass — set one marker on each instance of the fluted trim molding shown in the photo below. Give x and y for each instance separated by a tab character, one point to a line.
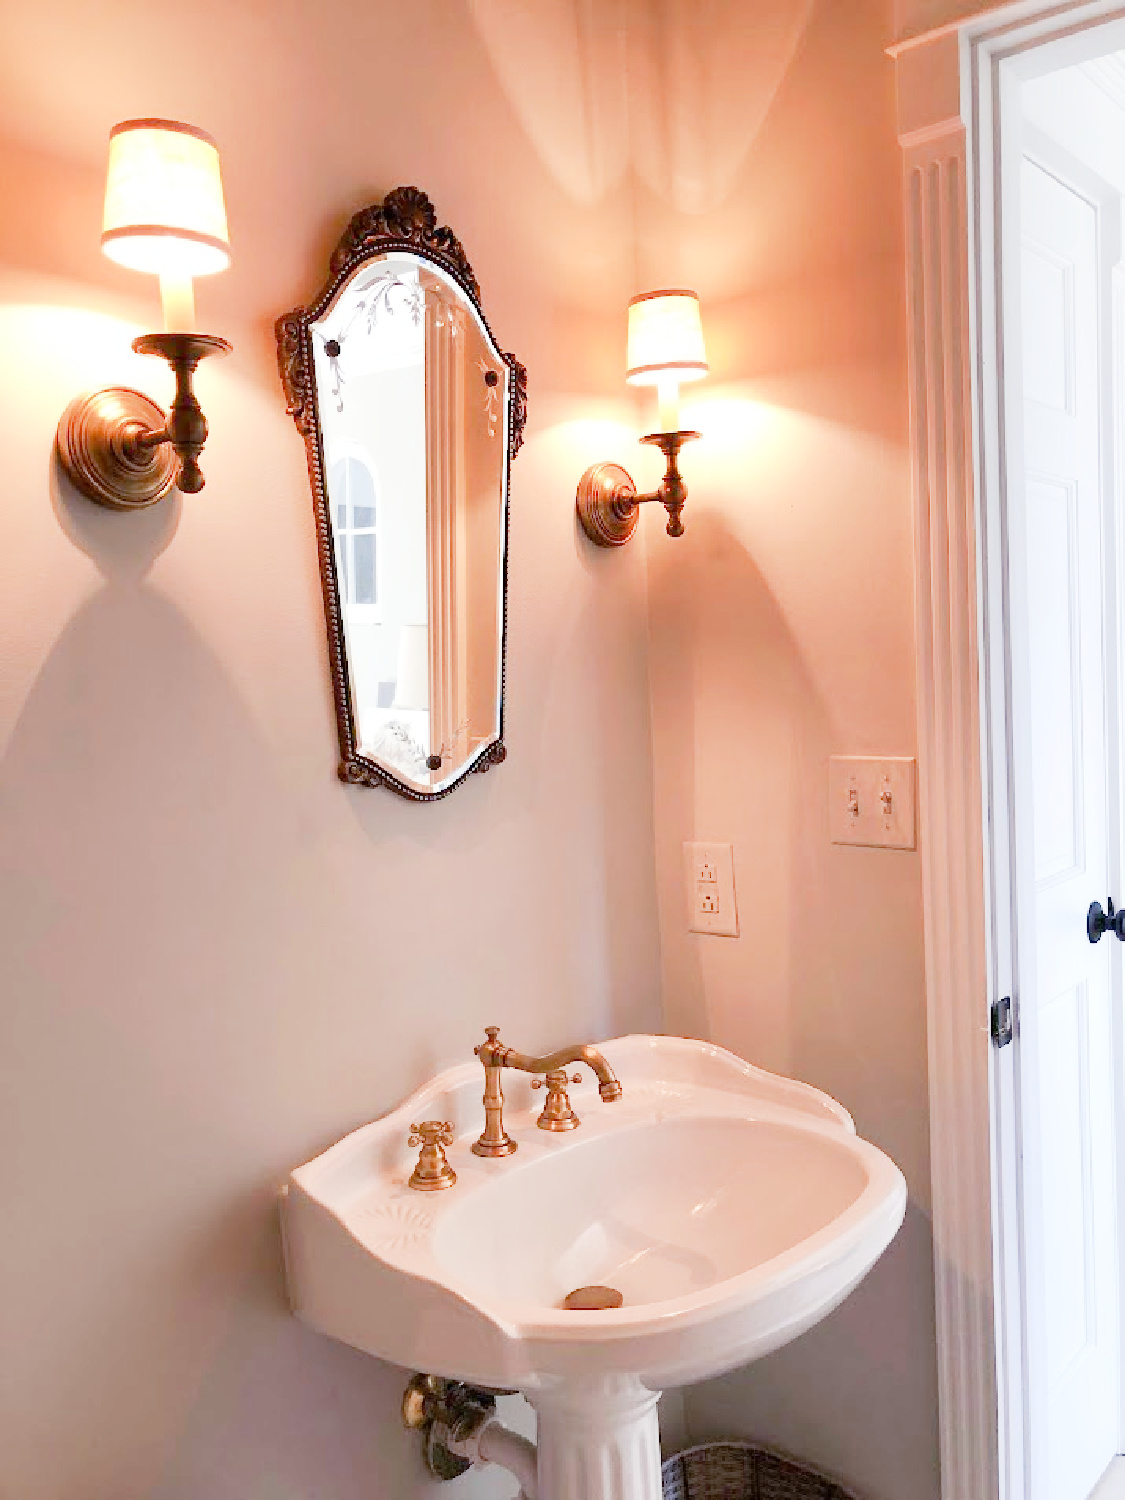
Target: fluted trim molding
950	805
947	106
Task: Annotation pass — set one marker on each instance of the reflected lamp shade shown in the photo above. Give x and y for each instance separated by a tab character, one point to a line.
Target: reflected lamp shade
412	687
164	209
665	339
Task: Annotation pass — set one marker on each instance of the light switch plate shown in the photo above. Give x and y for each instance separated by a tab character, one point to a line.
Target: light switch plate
709	869
871	801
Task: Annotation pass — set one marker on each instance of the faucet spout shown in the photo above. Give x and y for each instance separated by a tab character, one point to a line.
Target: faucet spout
608	1086
495	1057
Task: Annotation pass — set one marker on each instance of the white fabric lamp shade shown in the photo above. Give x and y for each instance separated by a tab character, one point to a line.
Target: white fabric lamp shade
665	339
164	209
412	688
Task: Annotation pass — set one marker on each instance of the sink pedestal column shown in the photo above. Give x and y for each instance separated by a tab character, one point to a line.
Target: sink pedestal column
598	1440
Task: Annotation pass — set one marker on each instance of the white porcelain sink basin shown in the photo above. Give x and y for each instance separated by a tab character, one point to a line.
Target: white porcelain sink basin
730	1207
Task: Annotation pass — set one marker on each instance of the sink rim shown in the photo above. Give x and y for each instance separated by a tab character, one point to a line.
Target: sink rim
875	1214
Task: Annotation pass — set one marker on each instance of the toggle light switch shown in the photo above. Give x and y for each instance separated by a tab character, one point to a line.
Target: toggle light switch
871	801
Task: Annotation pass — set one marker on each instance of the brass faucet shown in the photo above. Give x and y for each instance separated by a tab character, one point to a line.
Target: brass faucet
495	1140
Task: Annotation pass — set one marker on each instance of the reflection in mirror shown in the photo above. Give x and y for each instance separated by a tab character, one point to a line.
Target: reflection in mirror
410	415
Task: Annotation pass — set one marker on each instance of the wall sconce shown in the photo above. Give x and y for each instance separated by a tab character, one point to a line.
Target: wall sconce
164	213
665	348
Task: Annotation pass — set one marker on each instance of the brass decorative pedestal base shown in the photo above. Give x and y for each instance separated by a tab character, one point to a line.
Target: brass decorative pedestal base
97	446
433	1173
557	1112
504	1147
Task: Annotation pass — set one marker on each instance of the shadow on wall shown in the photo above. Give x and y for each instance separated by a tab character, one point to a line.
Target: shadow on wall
743	732
863	1358
576	726
141	821
609	91
830	936
287	1413
810	989
209	941
825	356
52	216
752	690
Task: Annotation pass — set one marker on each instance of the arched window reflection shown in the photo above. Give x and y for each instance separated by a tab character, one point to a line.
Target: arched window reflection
356	531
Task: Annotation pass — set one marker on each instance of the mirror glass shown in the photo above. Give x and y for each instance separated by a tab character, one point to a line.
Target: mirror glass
410	414
413	402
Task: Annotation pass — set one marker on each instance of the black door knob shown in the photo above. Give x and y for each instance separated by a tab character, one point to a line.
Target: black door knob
1099	922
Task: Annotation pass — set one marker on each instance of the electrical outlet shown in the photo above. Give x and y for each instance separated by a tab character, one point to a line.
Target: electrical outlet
709	869
871	801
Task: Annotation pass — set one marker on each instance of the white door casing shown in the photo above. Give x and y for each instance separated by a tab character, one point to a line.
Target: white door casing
949	104
1053	334
950	765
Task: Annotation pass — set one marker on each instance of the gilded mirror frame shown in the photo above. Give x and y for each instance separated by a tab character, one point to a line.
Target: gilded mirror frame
405	222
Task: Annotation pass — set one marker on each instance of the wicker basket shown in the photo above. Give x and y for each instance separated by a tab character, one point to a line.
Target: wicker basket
736	1471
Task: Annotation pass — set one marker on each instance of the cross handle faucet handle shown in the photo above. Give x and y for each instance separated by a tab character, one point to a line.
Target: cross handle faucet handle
557	1080
432	1172
431	1133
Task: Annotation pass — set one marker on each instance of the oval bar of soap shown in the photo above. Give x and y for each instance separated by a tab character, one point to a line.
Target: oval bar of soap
593	1299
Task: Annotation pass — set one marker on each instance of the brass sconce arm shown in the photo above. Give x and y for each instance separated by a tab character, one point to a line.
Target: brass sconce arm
186	427
608	500
673	491
120	449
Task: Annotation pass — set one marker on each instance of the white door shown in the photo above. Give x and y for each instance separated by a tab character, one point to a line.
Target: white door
1058	509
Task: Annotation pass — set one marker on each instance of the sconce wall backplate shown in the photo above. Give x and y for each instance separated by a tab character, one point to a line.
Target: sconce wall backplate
97	446
121	450
607	504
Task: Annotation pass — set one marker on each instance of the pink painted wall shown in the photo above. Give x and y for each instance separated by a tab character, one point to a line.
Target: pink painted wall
216	958
782	633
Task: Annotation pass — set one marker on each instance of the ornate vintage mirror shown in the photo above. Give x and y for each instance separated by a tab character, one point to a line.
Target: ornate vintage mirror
410	415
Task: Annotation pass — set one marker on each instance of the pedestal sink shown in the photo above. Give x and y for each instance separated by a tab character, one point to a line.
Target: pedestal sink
731	1208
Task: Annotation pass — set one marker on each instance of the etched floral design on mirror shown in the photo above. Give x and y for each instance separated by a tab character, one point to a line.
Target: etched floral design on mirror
411	415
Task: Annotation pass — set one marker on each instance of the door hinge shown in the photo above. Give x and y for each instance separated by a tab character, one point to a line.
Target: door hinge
1002	1030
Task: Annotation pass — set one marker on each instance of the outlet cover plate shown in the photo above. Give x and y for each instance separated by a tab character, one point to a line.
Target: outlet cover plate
859	811
709	871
